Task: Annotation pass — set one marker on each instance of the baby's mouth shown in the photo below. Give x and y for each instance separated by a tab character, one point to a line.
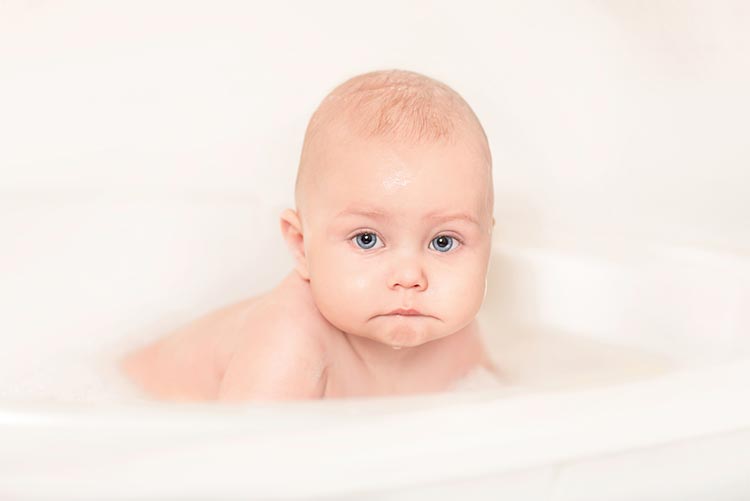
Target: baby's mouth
406	313
403	313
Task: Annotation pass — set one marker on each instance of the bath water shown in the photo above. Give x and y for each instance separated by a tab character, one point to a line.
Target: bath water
527	360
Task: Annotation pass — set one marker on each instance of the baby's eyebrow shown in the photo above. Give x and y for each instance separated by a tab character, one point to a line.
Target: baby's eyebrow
434	216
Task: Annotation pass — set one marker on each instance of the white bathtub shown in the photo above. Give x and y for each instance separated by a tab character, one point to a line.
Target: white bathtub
628	371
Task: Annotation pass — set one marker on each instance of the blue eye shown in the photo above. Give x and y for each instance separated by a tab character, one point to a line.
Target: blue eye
366	240
443	243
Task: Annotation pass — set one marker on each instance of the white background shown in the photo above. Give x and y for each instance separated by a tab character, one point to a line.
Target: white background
628	118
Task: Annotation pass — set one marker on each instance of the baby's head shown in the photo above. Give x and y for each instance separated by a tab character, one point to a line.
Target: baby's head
394	211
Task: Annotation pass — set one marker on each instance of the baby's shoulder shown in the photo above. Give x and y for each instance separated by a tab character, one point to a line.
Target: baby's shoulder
273	343
292	308
282	352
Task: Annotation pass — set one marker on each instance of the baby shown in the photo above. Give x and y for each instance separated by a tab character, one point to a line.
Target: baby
391	241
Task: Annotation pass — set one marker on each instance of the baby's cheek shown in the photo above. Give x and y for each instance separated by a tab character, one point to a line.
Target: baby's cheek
359	288
463	292
342	290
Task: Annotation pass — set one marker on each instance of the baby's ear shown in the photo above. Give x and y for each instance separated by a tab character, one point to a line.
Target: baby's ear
291	230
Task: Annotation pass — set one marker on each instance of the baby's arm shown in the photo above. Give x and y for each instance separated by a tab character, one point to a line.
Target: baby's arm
282	365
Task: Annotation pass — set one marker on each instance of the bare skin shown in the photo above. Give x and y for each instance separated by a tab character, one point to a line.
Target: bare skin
278	346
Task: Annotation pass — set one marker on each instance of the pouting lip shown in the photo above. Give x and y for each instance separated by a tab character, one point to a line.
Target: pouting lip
406	313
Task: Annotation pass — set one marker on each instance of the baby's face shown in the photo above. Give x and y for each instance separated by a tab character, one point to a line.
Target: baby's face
394	227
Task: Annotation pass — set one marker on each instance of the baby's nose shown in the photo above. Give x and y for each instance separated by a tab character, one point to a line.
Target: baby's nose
408	274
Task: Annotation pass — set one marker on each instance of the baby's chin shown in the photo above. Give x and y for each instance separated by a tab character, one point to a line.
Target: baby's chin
405	332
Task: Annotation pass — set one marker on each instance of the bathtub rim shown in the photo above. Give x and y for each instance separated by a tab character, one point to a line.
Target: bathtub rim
547	428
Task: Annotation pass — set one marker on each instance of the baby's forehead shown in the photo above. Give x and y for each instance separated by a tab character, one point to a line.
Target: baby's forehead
404	193
386	167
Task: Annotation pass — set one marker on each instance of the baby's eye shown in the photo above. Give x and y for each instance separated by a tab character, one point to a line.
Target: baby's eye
443	243
366	240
